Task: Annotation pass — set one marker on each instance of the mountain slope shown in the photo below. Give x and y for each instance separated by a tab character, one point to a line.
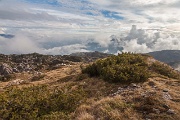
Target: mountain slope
65	93
170	57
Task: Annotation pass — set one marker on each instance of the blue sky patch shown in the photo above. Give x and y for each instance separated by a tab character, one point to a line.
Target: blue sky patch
112	15
90	13
49	2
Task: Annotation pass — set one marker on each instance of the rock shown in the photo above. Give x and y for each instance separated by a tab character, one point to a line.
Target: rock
165	90
20	67
16	82
55	62
167	96
170	111
15	70
157	111
166	106
5	69
133	85
151	83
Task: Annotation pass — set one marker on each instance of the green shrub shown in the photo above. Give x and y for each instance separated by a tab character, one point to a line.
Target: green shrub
38	102
81	77
126	68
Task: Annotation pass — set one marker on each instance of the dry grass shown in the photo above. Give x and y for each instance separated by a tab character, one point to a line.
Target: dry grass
84	116
109	108
128	105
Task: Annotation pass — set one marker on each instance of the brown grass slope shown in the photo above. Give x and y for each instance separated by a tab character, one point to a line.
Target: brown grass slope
157	98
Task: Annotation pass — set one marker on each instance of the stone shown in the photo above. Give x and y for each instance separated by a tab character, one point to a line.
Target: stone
15	70
166	106
15	82
5	69
151	83
165	90
157	111
167	96
170	111
133	85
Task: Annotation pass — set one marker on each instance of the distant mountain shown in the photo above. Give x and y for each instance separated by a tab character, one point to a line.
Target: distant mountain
171	57
175	65
90	56
6	35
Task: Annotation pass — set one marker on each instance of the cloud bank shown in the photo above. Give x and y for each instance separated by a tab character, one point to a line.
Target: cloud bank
67	26
135	40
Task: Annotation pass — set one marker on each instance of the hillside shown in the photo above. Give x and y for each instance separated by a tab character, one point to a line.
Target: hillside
90	56
171	57
65	93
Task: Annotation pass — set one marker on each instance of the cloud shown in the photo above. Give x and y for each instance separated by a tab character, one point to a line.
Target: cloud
51	26
135	40
68	49
143	41
22	12
133	46
20	44
1	31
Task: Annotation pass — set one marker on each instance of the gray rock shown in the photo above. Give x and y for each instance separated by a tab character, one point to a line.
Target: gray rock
15	70
170	111
167	96
5	69
133	85
157	111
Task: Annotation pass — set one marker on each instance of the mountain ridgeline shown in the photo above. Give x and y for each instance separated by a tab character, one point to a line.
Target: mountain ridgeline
170	57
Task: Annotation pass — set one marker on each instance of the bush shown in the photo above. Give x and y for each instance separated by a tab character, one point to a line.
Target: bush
38	102
125	68
81	77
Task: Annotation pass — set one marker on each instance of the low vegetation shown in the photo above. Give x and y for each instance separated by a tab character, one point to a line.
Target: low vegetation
165	70
38	102
97	93
124	68
106	109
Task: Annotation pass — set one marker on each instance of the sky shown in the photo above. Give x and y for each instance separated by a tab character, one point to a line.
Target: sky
61	27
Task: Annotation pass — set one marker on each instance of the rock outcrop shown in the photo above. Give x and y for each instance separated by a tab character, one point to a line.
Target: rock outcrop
5	69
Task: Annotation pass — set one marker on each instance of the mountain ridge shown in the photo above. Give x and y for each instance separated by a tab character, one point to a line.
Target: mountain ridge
170	57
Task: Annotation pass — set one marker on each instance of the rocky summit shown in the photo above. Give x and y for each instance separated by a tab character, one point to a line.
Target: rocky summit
126	86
